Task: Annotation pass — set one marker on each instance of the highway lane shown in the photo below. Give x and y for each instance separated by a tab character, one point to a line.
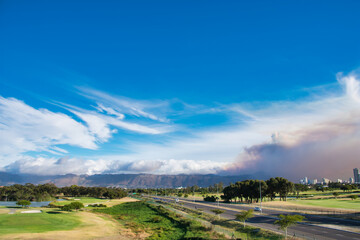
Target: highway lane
312	219
307	231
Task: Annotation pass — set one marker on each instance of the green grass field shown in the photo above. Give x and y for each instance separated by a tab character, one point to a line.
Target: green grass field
37	222
158	222
84	200
331	203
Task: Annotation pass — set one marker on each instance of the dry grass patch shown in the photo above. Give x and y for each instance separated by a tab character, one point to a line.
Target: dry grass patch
4	210
114	202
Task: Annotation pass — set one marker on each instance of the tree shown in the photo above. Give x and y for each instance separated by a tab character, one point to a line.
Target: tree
286	221
217	212
300	188
244	215
23	203
66	208
210	198
336	194
76	205
354	197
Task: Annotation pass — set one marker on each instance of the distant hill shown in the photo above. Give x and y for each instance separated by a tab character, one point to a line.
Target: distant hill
121	180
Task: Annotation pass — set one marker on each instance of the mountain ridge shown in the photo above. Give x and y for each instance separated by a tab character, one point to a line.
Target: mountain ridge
141	180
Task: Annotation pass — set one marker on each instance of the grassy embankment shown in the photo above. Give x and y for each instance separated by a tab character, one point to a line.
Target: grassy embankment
229	226
37	222
157	222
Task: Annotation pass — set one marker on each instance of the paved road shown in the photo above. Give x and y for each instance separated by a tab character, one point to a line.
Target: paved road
307	231
313	219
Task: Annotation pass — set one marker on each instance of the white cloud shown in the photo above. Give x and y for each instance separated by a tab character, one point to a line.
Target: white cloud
351	84
325	121
123	105
56	166
110	111
65	165
277	134
24	128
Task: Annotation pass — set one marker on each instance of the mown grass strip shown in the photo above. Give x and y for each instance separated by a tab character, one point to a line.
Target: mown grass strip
37	222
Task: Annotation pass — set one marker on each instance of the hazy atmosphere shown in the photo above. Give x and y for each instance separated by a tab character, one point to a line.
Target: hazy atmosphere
236	88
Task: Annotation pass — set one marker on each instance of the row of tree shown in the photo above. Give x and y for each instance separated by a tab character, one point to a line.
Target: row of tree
249	190
48	191
189	190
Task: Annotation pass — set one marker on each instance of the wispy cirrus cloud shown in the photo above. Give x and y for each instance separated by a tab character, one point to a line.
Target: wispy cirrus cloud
27	129
24	128
120	104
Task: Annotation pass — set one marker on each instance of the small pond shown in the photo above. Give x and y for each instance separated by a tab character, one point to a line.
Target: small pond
33	204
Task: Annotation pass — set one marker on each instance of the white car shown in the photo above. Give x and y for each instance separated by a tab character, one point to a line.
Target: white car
257	209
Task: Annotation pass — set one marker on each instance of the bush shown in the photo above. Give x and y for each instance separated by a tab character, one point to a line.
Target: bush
72	206
23	203
210	198
66	208
52	205
156	219
97	205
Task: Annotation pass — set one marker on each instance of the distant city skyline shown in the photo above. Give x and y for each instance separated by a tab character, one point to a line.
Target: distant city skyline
356	175
166	87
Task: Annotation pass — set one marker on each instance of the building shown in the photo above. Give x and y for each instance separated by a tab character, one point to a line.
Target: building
313	182
304	181
325	181
351	180
356	175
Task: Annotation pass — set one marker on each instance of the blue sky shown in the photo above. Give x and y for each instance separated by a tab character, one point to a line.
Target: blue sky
173	86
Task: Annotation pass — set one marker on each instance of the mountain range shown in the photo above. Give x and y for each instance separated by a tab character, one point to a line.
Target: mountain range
121	180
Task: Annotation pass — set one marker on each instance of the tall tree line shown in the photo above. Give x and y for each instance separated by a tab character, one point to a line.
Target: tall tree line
49	191
249	190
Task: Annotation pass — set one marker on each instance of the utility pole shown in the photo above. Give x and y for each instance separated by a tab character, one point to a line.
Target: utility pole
260	198
217	193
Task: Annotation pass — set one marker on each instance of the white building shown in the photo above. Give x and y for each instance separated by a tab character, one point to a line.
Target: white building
325	181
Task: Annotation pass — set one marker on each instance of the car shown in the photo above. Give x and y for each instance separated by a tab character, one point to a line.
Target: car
257	209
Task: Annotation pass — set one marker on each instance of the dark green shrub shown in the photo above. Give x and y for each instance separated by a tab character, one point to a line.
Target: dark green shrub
156	219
